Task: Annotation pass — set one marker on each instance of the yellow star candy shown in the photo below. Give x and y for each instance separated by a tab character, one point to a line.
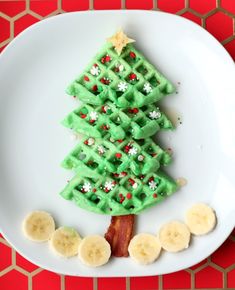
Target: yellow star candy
119	41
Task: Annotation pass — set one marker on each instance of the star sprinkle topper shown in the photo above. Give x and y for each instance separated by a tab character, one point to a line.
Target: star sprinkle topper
120	40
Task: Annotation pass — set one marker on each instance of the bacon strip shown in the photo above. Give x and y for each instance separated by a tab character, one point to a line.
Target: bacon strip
119	234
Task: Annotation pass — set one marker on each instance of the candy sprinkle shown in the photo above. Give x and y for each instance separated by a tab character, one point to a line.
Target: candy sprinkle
135	110
118	155
132	55
94	88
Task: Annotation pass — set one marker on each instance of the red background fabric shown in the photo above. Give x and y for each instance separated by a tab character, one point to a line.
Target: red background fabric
215	272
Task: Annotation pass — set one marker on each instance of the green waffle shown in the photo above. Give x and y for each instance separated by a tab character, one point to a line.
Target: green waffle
138	122
101	156
128	80
118	194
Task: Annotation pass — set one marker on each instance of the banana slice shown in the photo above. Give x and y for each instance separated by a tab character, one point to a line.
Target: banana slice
144	248
174	236
200	219
65	241
38	226
94	251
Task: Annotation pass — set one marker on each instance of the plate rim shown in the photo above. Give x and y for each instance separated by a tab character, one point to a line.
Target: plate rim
10	46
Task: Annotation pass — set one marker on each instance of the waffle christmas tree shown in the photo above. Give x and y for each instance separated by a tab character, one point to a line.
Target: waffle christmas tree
118	166
117	163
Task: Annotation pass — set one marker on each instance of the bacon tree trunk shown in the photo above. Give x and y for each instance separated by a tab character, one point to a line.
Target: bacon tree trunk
119	234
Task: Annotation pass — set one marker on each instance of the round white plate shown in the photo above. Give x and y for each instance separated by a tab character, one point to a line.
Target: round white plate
34	72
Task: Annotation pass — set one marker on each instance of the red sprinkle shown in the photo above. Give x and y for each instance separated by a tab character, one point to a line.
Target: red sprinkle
94	189
105	81
142	176
118	155
122	199
86	142
104	127
86	78
154	154
123	173
116	175
151	179
92	121
135	110
120	195
132	76
129	195
132	54
130	111
127	148
106	190
155	195
131	181
83	116
107	58
94	88
120	141
95	64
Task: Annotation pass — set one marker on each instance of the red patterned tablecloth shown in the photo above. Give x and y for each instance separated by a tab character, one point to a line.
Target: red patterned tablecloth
215	272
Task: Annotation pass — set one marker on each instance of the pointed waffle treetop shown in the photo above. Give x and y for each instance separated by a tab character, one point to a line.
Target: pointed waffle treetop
121	74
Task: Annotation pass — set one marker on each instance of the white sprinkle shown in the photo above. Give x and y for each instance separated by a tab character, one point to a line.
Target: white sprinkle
101	149
122	86
133	151
93	115
95	71
90	141
86	187
135	185
147	88
152	185
109	185
140	158
121	67
154	115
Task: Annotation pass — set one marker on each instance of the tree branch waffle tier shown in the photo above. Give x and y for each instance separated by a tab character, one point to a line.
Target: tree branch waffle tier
101	156
119	194
128	80
95	121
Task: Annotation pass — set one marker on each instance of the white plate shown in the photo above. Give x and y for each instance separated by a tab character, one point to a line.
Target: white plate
34	71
